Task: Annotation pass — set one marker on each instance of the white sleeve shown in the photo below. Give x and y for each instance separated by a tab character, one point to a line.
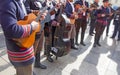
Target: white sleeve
38	4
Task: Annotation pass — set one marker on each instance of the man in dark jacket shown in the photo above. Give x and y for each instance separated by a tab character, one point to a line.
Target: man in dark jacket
81	22
93	17
101	22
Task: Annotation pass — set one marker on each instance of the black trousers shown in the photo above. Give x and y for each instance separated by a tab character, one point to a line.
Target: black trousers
53	34
99	31
107	30
92	26
81	23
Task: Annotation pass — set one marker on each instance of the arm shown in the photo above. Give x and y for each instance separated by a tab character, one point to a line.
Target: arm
8	20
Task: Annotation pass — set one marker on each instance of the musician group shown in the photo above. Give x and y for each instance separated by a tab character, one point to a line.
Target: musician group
63	19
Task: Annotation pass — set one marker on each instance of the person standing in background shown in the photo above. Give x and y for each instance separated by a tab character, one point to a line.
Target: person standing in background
34	6
81	22
101	22
116	24
93	17
69	10
109	18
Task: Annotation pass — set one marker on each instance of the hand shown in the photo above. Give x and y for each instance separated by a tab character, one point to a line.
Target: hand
36	12
72	16
92	8
55	23
111	14
57	6
34	25
43	16
103	15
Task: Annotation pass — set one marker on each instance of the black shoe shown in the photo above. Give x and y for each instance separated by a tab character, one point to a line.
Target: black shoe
49	59
73	47
118	39
82	44
112	37
91	34
39	65
34	73
98	44
106	34
77	44
94	45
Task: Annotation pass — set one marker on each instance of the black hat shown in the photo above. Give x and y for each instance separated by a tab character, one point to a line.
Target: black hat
78	2
105	0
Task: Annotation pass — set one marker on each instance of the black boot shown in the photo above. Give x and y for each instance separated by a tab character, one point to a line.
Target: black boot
76	39
34	73
82	43
37	62
73	45
94	45
95	40
48	54
82	38
98	42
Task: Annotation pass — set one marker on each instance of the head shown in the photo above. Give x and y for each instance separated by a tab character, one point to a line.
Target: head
96	1
105	3
70	0
49	0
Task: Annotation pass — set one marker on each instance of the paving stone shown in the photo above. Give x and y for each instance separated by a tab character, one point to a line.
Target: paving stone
109	72
85	69
58	71
6	68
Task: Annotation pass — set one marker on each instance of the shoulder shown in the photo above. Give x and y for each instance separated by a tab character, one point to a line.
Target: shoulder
7	5
67	4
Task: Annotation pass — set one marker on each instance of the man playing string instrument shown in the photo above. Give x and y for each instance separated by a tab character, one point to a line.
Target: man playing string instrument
69	10
93	17
81	22
22	58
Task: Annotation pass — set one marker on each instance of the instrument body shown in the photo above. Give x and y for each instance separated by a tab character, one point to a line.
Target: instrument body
28	41
62	46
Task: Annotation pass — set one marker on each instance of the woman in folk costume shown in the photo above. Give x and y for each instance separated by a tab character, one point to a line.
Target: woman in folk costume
101	22
22	58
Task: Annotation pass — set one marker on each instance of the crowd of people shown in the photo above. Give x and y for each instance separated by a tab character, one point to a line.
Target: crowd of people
49	26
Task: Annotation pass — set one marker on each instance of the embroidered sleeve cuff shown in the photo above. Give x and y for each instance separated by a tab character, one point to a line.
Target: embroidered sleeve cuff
27	30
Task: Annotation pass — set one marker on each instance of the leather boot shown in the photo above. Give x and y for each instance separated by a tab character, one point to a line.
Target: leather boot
76	40
37	62
73	45
98	42
94	45
48	53
82	38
